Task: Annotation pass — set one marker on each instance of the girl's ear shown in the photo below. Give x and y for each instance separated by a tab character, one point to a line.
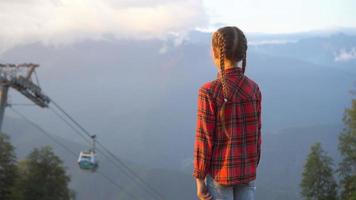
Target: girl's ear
214	56
214	53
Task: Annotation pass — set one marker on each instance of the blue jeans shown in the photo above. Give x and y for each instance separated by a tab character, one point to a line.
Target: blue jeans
237	192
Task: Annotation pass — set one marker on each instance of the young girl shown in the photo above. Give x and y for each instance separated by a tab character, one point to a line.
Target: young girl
228	130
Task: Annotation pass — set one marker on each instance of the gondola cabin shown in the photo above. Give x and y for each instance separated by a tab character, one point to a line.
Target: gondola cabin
87	160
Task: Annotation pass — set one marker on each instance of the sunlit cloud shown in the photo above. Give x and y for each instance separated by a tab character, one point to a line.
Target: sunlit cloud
344	56
57	22
266	42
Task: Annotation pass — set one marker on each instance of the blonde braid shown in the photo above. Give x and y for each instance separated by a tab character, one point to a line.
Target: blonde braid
221	42
242	48
221	45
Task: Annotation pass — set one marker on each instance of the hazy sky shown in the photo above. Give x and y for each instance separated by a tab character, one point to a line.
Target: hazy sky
65	21
283	16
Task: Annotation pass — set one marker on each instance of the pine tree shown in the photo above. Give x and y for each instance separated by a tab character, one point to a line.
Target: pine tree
43	177
7	168
347	148
318	182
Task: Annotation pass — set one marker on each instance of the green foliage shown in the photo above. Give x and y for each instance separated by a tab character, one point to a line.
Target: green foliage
348	188
318	182
347	148
7	168
43	177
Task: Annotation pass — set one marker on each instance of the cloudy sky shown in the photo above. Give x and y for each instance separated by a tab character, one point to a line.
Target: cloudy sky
66	21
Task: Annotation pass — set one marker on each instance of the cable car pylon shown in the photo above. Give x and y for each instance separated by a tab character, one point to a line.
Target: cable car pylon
13	76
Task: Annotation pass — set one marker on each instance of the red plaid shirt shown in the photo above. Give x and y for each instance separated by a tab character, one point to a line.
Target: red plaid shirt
229	151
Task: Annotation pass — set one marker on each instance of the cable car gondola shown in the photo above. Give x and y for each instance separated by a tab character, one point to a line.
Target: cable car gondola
87	159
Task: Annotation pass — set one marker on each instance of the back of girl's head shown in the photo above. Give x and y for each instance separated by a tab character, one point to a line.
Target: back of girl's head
230	43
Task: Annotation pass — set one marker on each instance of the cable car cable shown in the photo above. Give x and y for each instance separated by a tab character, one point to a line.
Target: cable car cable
70	125
128	174
114	183
140	180
130	171
151	189
41	129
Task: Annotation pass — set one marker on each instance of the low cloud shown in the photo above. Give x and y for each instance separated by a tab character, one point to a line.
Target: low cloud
266	42
345	56
57	22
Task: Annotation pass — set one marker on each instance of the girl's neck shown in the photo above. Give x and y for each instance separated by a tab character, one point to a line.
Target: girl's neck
229	64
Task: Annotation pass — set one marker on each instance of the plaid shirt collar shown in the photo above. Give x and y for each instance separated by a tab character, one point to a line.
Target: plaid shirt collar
234	71
233	77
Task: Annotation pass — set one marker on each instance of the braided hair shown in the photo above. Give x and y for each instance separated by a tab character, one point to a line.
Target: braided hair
229	43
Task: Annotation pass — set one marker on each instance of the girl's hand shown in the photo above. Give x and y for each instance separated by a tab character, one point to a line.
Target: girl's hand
202	190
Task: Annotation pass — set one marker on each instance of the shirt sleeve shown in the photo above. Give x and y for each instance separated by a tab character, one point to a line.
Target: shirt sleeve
205	127
259	111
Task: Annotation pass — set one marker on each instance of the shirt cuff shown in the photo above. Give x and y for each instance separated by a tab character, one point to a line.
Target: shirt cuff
199	174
